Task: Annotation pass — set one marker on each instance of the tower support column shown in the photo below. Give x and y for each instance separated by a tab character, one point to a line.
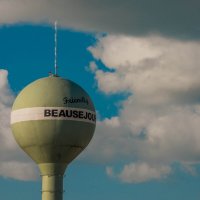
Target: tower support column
52	180
52	187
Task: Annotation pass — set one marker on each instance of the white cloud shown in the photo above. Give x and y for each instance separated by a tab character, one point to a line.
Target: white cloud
141	172
159	122
109	171
164	65
18	170
13	162
132	17
126	50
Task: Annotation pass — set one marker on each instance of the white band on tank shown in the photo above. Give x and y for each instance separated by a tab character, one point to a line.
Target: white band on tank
53	113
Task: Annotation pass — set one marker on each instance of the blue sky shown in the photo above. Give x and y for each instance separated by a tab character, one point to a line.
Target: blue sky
143	78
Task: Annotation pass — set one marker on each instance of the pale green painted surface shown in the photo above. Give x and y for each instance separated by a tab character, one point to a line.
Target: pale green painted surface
52	187
53	140
52	180
50	92
53	144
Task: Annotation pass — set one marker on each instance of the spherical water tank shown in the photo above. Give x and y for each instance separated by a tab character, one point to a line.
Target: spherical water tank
53	120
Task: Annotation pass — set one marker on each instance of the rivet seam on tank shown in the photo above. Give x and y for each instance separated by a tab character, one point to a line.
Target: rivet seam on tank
53	113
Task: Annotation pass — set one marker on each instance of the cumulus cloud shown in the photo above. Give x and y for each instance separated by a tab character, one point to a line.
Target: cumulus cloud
137	17
18	170
159	122
140	172
13	162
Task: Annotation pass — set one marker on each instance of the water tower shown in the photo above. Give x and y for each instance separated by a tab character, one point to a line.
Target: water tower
53	120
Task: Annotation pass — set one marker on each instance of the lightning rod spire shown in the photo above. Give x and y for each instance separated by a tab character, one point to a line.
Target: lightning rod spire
55	49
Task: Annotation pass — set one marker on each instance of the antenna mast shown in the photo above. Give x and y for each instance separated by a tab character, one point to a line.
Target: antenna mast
55	49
